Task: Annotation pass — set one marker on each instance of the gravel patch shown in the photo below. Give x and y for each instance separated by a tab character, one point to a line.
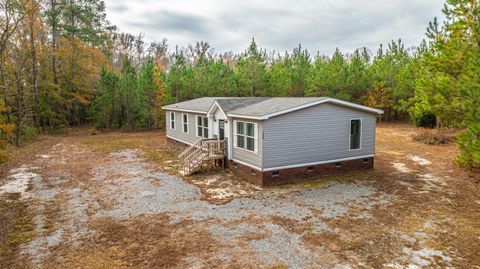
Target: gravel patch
72	223
332	200
132	187
401	167
283	247
230	233
421	258
137	189
420	161
19	181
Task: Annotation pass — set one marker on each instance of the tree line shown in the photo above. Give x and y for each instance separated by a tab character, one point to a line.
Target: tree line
63	64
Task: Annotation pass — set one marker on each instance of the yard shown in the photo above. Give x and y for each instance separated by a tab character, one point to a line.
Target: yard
113	200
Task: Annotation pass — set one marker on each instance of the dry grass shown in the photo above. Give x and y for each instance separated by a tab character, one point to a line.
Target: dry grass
148	242
153	144
291	225
15	228
435	136
446	218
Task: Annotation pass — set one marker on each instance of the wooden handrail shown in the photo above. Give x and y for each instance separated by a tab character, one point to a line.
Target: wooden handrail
204	150
190	149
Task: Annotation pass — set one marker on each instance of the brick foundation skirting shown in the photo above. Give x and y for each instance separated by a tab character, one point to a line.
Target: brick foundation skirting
249	174
297	174
289	175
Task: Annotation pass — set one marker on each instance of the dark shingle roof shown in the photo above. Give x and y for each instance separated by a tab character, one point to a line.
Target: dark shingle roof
231	104
198	105
258	107
227	103
273	105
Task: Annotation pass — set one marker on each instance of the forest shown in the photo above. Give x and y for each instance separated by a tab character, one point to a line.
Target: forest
63	64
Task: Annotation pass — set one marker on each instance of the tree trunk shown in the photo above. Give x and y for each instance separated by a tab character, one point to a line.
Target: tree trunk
20	110
4	91
36	114
54	41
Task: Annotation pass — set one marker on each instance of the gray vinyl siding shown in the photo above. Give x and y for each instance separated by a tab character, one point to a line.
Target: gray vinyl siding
178	133
315	134
246	156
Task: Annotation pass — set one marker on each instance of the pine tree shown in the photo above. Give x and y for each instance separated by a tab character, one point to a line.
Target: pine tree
251	72
158	114
449	85
105	109
469	140
127	90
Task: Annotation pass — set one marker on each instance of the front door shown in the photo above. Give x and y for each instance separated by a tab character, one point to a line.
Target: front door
221	129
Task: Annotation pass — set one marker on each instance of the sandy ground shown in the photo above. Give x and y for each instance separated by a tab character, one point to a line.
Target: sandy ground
115	201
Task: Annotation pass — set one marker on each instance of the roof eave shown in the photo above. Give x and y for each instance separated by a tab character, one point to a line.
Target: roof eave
211	109
325	100
183	110
247	117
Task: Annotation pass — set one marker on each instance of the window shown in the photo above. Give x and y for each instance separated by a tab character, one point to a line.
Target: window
202	126
172	120
253	172
185	123
310	168
240	135
275	173
245	135
338	164
355	133
250	136
366	160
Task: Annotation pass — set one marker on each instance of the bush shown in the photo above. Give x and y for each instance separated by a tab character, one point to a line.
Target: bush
29	133
435	137
4	155
6	134
427	120
468	144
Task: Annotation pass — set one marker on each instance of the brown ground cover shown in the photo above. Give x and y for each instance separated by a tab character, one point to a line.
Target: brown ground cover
114	200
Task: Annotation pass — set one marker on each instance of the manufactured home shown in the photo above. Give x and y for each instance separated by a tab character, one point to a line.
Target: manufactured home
273	140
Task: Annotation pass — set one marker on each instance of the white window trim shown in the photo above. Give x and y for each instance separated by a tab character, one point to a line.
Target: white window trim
255	138
183	124
203	128
170	122
350	132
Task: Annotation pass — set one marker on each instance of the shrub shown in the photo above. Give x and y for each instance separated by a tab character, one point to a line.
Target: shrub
468	143
427	120
29	133
6	134
435	137
4	155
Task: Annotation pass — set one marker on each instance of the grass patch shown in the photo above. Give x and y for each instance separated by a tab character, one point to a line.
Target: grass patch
15	228
109	145
153	145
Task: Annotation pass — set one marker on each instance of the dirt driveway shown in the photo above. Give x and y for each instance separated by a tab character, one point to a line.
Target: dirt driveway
115	201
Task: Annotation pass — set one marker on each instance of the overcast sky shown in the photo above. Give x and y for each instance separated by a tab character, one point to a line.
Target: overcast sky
277	25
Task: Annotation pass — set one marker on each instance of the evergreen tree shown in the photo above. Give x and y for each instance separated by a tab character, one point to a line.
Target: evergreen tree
251	72
105	109
330	77
128	95
159	97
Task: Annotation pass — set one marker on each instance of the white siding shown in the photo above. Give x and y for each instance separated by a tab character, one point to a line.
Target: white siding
178	133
